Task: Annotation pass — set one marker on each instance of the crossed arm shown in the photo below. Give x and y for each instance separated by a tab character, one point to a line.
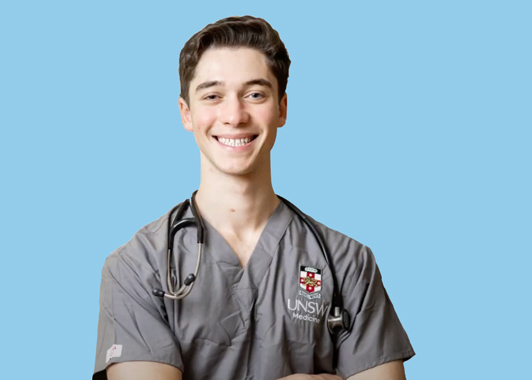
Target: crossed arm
387	371
158	371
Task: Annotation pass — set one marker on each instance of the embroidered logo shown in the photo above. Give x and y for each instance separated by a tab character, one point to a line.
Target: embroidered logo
310	281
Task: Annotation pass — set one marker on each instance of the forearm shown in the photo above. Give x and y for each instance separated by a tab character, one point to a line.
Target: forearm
323	376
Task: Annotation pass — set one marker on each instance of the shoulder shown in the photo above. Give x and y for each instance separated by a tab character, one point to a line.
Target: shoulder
343	247
349	256
143	252
345	252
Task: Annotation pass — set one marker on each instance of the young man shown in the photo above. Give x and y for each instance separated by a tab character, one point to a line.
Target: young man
263	297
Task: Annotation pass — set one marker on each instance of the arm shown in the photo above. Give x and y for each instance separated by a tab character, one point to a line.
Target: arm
131	317
324	376
142	370
377	343
387	371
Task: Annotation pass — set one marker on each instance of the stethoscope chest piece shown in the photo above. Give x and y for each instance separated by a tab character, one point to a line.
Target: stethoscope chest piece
338	321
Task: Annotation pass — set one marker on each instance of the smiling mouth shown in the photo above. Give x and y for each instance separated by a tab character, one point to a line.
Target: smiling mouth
236	142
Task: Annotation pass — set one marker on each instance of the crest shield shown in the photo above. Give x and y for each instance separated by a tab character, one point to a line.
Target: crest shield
310	279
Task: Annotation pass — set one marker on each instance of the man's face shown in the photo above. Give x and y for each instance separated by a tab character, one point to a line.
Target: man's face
233	110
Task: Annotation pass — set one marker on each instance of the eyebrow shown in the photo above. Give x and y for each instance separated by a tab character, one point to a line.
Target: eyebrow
212	83
208	84
260	82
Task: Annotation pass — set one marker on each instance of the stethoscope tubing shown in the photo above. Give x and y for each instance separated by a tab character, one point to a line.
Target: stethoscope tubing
338	319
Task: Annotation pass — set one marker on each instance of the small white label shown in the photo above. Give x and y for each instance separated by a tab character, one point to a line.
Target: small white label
114	352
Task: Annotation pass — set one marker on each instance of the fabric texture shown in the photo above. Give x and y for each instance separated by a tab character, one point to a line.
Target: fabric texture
263	322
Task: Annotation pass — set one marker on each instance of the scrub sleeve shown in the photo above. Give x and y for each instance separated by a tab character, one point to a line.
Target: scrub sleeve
132	323
376	335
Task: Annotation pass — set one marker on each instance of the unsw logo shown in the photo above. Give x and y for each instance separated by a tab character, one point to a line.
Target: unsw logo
310	281
310	288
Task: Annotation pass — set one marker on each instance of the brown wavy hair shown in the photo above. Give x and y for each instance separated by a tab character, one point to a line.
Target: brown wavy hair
235	31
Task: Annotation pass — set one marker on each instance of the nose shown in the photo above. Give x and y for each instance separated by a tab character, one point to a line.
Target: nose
234	112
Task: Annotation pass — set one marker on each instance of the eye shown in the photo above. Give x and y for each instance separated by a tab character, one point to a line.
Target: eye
256	95
211	97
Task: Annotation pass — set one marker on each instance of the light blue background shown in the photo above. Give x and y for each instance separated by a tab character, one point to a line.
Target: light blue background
409	130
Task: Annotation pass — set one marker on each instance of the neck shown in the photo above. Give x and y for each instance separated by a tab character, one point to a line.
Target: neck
236	204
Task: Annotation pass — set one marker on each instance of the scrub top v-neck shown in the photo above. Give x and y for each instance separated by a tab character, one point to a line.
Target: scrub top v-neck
245	281
261	322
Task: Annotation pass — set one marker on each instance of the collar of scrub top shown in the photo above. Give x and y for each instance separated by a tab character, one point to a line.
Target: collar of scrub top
338	319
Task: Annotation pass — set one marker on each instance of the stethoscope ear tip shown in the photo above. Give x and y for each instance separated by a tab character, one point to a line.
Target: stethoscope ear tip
158	293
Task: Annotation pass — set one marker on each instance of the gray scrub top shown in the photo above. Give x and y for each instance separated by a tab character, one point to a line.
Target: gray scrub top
263	322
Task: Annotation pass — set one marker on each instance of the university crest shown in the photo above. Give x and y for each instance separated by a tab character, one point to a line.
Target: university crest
310	281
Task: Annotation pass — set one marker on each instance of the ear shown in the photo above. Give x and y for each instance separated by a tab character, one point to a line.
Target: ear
186	118
283	110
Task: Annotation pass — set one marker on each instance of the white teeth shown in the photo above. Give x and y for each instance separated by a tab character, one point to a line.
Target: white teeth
235	142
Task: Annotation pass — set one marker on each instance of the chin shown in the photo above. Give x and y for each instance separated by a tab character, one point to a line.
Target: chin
236	172
237	169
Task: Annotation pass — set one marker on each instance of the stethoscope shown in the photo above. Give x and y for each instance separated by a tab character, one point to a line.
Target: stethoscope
338	319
